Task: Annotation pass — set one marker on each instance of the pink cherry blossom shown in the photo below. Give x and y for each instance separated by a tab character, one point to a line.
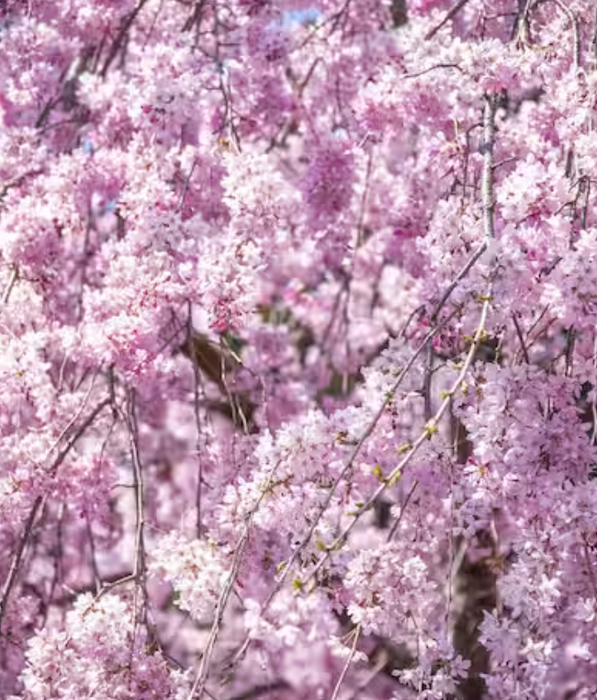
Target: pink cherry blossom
298	352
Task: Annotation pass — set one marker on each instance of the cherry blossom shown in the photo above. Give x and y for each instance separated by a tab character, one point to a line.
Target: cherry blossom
298	351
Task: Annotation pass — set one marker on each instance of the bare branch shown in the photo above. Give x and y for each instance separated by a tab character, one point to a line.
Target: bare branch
357	634
487	178
523	347
115	48
14	275
428	70
449	15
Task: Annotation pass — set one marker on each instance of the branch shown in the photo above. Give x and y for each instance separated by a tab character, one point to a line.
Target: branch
523	347
463	272
431	426
197	413
126	25
428	70
357	634
139	563
354	454
200	681
575	32
14	275
487	178
426	434
451	13
28	527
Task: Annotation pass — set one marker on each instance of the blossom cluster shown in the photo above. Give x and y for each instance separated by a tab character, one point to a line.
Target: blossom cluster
298	349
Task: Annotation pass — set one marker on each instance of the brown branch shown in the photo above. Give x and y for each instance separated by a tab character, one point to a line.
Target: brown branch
523	347
17	182
594	34
521	29
14	275
398	13
196	406
428	70
451	13
115	48
28	527
575	31
17	557
139	489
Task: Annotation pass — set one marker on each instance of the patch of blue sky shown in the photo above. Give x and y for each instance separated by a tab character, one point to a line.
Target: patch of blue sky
306	16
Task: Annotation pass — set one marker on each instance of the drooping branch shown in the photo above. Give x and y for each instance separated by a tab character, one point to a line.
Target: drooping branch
27	529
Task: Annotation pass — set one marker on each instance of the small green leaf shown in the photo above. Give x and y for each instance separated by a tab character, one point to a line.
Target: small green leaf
430	429
393	480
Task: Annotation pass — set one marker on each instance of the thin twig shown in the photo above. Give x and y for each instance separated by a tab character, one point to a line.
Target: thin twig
357	634
427	381
97	581
377	669
186	185
428	70
463	272
197	414
451	13
594	34
523	347
575	31
396	525
14	275
17	557
520	29
107	587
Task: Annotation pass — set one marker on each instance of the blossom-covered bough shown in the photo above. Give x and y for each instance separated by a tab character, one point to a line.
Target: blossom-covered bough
298	349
